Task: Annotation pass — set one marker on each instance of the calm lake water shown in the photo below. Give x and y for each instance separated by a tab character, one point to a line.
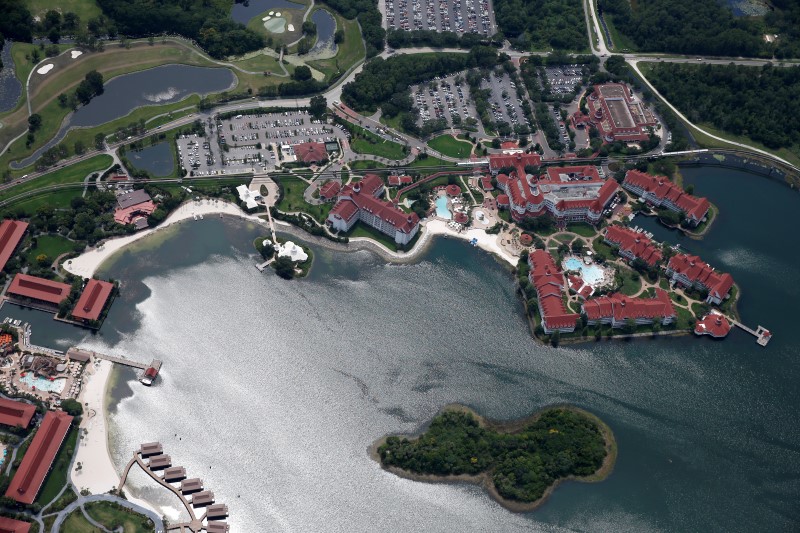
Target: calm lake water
10	86
157	159
155	86
272	391
326	26
243	13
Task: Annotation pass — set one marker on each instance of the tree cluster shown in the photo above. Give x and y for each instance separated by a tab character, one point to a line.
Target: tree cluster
523	465
370	19
753	102
208	23
542	24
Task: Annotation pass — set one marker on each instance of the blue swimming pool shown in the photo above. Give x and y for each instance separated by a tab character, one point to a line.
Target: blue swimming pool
441	208
591	274
57	385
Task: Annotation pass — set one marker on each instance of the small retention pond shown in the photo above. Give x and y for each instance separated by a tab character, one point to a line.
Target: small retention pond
156	159
326	26
10	86
155	86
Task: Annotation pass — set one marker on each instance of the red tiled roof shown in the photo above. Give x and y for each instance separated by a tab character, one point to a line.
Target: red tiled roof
486	183
363	195
518	161
39	457
634	243
92	299
9	525
621	307
14	413
585	173
453	190
508	145
127	215
371	184
502	200
461	218
396	181
525	239
330	189
38	288
698	271
344	209
548	280
662	188
11	232
713	324
310	152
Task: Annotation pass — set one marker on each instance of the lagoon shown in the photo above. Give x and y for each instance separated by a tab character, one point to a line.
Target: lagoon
707	431
157	159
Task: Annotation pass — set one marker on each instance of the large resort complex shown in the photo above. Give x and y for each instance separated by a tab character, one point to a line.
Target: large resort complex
617	114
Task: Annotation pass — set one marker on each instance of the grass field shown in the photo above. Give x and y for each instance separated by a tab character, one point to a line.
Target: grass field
293	200
365	165
57	477
71	174
292	16
350	52
369	143
261	62
450	146
85	9
584	230
362	230
50	245
114	517
630	286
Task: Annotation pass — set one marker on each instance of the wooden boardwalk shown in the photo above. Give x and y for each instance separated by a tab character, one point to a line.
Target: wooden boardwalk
761	334
119	360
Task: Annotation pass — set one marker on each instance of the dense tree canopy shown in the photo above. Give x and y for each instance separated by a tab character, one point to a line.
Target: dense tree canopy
208	22
705	27
15	20
758	103
542	24
558	444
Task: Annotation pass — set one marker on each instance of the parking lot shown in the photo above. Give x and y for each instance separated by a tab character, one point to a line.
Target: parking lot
562	127
563	79
200	155
459	16
444	99
505	102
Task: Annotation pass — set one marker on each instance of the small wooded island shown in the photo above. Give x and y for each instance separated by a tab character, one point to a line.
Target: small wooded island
518	462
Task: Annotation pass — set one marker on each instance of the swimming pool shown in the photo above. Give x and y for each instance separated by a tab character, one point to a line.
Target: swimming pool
591	274
57	385
441	208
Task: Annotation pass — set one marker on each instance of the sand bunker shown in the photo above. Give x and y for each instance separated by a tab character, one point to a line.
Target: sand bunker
277	14
271	13
45	69
266	18
75	53
291	27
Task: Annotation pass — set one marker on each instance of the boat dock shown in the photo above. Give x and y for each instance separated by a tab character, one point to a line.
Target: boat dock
263	266
84	355
761	334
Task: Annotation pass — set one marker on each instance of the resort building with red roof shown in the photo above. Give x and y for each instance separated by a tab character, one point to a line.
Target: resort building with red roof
93	300
11	232
661	192
360	201
548	280
619	310
633	245
486	183
617	114
330	190
569	194
518	161
9	525
692	272
133	208
38	290
39	458
713	324
312	152
15	413
400	181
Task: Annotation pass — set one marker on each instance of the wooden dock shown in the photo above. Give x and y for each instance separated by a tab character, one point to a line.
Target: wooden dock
118	359
263	266
761	334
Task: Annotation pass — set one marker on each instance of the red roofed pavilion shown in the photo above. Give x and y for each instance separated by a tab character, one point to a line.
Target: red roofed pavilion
9	525
39	457
11	232
93	299
453	190
39	290
310	152
713	324
14	413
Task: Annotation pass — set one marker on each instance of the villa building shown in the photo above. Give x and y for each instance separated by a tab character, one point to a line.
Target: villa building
661	192
548	280
517	161
9	525
312	152
692	272
633	245
400	181
330	190
133	208
361	201
11	232
15	413
617	114
93	300
39	458
618	310
38	291
569	194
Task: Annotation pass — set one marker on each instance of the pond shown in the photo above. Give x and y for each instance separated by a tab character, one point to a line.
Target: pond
10	86
157	159
155	86
748	8
326	26
244	12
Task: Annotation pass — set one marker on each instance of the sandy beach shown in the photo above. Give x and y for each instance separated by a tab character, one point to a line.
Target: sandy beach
87	263
97	474
485	241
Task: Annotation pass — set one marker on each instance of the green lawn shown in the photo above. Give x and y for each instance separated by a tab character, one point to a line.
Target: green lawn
291	16
365	165
71	174
584	230
57	477
77	523
56	200
50	245
431	161
114	517
363	230
629	286
293	199
450	146
369	143
565	238
85	9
